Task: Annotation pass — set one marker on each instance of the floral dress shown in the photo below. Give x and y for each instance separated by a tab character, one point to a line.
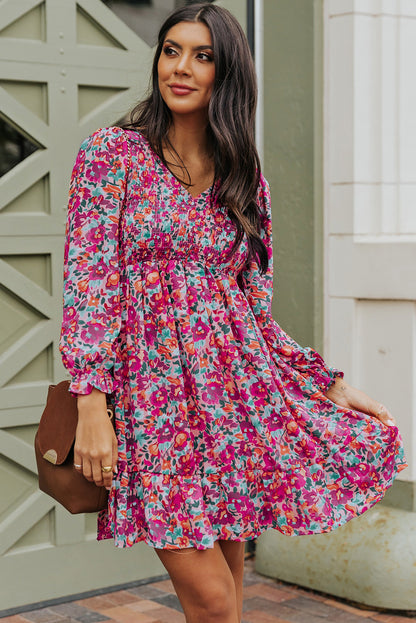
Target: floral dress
222	422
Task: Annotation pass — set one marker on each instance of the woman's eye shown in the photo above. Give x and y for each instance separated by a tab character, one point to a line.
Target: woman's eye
169	51
206	57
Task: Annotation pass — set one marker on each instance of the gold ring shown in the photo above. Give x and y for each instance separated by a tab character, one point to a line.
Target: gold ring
106	469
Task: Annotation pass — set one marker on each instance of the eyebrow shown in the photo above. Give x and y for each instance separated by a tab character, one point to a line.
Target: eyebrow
196	48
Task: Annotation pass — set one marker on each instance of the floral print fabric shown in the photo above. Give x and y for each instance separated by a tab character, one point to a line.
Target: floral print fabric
222	423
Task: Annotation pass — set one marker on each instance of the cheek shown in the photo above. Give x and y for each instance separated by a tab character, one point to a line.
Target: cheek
162	71
162	78
209	81
209	93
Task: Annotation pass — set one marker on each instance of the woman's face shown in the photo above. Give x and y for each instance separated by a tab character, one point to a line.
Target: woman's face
186	69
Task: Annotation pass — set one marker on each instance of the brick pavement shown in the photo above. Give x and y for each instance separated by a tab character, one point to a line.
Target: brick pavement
265	601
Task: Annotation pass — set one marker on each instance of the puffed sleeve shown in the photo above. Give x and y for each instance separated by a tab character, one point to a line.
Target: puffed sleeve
258	290
91	294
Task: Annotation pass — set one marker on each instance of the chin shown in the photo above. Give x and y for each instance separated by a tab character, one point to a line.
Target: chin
185	109
182	110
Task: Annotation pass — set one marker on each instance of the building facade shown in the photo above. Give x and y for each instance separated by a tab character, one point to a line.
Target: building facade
364	217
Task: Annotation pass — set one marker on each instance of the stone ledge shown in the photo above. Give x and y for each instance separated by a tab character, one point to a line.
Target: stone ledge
370	560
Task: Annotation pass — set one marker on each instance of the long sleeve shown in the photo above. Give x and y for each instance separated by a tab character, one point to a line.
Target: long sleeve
91	294
258	290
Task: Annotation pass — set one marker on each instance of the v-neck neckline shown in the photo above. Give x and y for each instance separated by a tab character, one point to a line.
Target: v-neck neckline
174	179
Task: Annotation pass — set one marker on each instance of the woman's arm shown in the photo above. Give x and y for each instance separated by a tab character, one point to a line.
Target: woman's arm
91	280
305	360
347	396
258	290
91	294
95	439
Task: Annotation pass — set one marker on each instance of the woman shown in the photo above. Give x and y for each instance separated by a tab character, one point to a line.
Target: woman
224	425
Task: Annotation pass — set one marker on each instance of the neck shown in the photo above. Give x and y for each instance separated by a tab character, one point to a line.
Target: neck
189	137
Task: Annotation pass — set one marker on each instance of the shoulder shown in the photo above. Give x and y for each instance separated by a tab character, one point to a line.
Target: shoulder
263	187
135	136
110	140
118	141
104	154
263	196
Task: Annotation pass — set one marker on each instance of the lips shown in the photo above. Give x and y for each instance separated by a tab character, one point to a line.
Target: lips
181	89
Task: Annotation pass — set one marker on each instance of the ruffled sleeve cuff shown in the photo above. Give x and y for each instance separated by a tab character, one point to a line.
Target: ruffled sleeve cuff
84	381
326	377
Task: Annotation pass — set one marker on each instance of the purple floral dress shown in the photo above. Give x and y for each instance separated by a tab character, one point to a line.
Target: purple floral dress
222	423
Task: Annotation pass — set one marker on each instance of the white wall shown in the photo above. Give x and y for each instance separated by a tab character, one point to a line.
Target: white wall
370	202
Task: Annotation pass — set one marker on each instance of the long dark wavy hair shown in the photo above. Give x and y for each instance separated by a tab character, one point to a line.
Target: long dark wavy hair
231	117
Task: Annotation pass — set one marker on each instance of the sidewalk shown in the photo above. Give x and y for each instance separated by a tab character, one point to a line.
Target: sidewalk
265	601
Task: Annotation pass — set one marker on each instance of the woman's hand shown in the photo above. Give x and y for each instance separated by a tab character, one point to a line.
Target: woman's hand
95	439
345	395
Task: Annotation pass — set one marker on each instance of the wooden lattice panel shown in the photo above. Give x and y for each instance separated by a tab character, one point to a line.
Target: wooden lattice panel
67	69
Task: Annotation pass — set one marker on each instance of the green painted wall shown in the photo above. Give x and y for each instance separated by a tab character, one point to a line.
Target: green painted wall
237	8
292	162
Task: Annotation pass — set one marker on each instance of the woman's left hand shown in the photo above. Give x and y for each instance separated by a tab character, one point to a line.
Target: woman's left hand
347	396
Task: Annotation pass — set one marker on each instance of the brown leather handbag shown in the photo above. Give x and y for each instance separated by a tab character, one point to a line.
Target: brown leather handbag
54	449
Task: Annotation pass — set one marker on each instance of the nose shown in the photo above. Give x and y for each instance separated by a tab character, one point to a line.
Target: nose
183	65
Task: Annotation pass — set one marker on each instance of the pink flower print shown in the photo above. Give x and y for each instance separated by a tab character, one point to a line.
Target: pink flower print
310	496
308	449
158	397
112	305
96	169
81	198
96	235
69	313
99	270
292	428
187	464
212	393
149	330
93	333
259	390
293	389
297	480
340	495
268	462
227	455
248	429
200	330
165	432
181	439
237	501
